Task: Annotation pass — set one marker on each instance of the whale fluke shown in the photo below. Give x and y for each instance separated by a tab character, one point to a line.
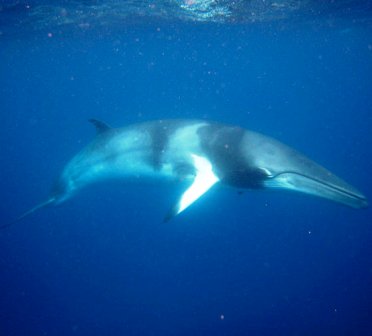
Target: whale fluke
29	212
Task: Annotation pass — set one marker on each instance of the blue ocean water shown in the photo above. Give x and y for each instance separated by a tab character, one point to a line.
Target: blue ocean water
261	263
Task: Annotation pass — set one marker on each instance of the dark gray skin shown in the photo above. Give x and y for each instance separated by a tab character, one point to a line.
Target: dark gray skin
186	149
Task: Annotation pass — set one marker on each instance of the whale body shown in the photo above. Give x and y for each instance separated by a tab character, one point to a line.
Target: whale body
202	152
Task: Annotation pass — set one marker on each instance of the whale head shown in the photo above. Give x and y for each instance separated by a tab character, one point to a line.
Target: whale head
283	167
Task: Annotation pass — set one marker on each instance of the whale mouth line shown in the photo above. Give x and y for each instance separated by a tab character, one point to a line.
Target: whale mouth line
311	185
329	185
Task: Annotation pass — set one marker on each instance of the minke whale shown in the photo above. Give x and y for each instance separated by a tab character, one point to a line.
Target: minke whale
201	152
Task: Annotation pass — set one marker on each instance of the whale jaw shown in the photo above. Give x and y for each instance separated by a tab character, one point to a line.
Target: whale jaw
333	189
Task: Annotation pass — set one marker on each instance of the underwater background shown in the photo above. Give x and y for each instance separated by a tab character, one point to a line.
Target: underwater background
261	263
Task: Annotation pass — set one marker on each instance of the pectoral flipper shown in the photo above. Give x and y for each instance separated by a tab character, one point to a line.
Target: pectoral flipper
205	178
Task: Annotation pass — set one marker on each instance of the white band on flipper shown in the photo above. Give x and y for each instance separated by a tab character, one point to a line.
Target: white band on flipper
205	178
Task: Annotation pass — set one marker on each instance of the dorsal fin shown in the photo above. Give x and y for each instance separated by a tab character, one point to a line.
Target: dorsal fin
100	126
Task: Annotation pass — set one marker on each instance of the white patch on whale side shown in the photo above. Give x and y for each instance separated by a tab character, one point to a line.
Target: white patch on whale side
182	143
